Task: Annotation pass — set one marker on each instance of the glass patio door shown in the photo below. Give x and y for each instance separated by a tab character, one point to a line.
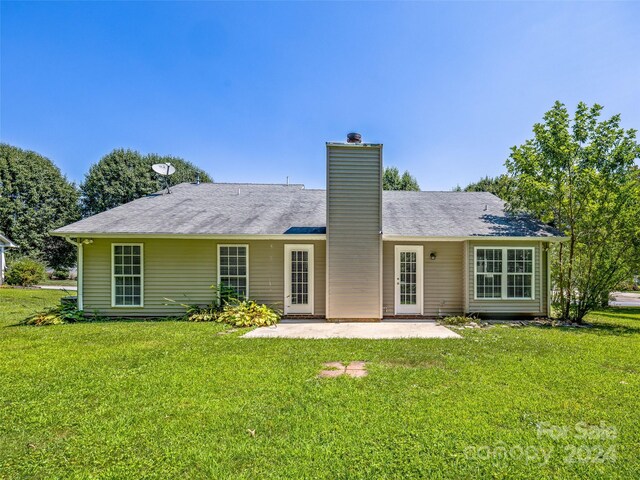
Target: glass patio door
408	280
298	279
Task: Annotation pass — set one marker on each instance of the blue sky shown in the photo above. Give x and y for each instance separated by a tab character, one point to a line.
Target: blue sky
251	91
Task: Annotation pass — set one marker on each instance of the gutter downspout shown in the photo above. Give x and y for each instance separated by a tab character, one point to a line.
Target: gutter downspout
1	264
80	245
465	272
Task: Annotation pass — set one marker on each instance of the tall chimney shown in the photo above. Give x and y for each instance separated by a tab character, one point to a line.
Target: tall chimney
354	230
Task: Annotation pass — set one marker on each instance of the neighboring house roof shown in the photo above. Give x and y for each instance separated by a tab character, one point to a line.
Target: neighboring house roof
260	209
5	242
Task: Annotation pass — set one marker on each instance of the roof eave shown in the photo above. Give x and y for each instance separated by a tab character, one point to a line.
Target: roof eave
193	236
300	236
529	238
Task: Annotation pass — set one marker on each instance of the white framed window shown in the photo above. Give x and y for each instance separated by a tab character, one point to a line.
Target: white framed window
488	272
504	273
233	267
127	275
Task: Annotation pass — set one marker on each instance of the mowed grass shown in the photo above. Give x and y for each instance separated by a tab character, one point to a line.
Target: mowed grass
166	399
61	283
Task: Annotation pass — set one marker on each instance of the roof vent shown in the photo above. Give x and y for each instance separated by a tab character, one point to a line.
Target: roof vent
354	137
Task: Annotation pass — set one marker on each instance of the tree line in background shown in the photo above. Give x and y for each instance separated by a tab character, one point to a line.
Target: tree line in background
35	197
392	180
124	175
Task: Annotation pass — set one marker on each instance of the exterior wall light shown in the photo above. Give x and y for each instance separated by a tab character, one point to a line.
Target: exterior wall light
432	256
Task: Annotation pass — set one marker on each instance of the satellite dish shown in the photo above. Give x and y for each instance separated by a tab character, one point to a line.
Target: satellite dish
164	169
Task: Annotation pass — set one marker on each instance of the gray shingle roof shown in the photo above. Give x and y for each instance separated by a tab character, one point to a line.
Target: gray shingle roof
257	209
455	214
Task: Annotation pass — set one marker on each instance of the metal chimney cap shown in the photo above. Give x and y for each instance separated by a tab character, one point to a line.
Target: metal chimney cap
354	137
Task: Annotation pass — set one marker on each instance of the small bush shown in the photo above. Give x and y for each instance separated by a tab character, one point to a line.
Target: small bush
60	274
628	285
25	272
64	313
228	306
457	320
247	313
224	294
201	314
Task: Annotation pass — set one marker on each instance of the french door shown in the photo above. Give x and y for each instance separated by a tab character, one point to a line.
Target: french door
298	279
409	298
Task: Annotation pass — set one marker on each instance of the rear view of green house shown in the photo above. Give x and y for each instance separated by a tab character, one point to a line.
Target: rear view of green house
350	252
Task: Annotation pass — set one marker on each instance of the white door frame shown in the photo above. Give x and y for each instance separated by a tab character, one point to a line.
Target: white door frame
418	309
288	307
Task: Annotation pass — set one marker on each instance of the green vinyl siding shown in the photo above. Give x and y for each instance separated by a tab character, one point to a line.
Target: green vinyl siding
443	278
266	272
183	270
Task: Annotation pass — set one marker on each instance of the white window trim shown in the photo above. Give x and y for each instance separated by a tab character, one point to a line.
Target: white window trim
288	308
504	273
113	277
220	245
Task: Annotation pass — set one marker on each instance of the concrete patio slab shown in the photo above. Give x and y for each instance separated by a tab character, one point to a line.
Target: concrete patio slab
381	330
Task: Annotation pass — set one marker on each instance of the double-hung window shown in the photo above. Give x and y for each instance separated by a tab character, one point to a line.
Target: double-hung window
127	264
504	273
233	268
489	273
520	273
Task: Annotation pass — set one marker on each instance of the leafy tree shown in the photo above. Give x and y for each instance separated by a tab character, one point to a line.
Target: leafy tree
36	198
579	175
500	186
392	180
124	175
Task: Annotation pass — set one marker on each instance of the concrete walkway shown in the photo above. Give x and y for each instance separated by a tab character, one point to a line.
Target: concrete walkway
58	287
386	329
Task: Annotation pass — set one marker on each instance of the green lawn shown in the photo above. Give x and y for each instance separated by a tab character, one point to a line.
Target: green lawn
65	283
177	400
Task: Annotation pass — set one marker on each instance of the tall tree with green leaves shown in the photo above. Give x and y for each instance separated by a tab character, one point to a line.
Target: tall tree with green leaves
392	180
125	175
36	198
579	174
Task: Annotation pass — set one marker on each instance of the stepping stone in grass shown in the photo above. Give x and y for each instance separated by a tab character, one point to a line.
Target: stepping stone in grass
335	369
